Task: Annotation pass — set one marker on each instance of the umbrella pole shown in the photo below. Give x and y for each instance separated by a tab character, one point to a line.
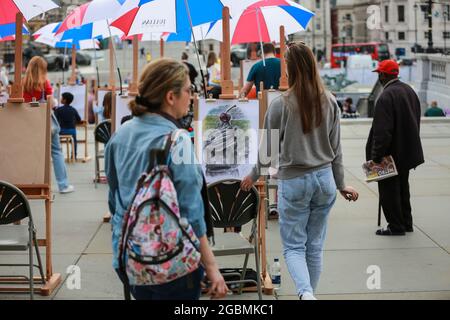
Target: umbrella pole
96	62
260	36
17	88
283	80
196	49
115	58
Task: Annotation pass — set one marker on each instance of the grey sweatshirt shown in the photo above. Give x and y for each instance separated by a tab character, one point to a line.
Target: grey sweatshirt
301	153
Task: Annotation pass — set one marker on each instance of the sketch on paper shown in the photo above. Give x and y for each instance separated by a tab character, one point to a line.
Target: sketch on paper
228	138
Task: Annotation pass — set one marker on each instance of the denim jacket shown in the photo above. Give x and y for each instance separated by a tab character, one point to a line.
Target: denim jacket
127	157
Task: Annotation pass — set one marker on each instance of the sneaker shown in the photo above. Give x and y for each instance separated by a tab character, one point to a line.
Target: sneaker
307	296
68	189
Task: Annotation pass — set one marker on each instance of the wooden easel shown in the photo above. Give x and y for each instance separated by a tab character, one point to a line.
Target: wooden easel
17	121
112	88
227	94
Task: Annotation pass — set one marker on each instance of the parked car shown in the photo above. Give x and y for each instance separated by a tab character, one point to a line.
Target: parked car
238	53
243	51
55	61
83	59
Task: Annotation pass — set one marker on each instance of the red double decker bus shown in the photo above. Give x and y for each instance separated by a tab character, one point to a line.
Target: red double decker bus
339	52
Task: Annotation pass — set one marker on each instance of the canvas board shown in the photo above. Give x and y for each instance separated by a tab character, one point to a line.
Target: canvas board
122	108
79	98
227	138
24	143
246	67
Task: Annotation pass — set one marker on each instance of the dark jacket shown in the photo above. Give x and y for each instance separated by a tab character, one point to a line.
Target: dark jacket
396	127
68	117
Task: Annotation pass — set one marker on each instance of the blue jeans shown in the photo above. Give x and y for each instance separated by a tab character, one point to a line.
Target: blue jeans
184	288
304	204
58	163
73	133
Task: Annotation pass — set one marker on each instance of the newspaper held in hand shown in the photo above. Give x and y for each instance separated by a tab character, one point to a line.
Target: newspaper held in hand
380	171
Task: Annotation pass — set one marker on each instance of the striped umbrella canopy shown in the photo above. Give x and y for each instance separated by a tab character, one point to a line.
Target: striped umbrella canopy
260	22
29	9
93	11
153	16
9	33
47	35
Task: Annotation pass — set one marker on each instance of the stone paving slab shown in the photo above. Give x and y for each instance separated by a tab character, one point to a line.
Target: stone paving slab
402	270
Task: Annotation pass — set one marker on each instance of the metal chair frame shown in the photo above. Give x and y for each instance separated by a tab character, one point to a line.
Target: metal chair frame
232	207
14	207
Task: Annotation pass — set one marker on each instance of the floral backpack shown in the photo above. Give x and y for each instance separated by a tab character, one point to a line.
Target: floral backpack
157	245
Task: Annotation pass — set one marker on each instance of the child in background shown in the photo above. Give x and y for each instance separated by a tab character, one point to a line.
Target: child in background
68	118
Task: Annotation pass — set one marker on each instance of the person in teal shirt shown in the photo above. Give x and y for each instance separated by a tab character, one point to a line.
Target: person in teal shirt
269	74
434	111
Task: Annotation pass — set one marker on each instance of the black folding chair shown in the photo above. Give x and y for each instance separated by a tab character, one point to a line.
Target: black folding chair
102	134
232	207
14	207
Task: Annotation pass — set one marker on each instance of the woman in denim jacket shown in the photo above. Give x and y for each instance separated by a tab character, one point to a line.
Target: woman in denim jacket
164	96
306	120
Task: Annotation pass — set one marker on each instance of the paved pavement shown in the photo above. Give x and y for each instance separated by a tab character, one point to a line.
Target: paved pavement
415	266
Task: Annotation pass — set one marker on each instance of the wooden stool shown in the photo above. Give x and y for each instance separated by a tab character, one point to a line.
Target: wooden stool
68	140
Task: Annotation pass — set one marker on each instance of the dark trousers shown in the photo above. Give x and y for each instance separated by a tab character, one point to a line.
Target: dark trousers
187	287
394	198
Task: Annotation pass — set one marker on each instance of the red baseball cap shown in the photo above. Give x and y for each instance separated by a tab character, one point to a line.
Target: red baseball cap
388	67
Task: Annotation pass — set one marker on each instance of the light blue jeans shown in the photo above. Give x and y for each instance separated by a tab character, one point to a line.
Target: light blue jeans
304	204
58	162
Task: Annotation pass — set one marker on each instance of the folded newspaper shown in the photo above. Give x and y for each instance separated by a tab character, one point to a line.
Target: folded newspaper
379	171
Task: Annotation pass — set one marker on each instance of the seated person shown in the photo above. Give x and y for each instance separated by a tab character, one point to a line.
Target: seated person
103	112
434	110
68	118
348	106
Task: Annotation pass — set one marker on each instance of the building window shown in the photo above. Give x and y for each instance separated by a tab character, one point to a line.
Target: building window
318	24
386	34
386	13
401	36
424	9
446	34
426	34
401	13
317	4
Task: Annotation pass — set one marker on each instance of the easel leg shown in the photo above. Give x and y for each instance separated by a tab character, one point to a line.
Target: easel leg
48	235
266	280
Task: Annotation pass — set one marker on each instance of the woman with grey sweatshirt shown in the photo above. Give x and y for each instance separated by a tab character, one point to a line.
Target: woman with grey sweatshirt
309	161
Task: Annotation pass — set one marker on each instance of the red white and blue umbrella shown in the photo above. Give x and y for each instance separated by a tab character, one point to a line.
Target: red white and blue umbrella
47	35
260	22
93	11
6	34
29	9
153	16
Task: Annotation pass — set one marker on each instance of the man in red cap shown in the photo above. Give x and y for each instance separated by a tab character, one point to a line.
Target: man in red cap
395	131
